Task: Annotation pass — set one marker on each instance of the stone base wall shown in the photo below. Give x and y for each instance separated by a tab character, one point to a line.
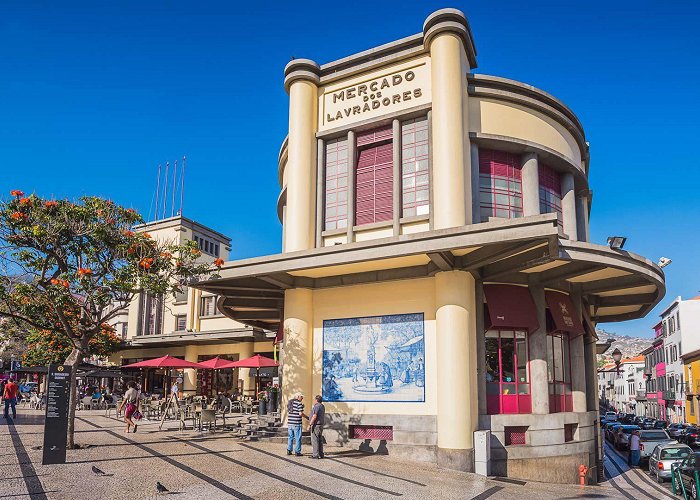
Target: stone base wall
545	456
414	436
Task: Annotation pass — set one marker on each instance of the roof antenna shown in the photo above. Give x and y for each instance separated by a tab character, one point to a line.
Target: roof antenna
182	183
165	188
172	205
157	192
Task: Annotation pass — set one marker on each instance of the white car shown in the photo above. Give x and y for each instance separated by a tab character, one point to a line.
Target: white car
610	416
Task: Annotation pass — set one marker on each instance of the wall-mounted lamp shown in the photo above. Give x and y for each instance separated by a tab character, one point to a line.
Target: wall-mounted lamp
616	242
617	357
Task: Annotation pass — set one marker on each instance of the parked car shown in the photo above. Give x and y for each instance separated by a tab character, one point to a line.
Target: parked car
610	416
664	456
688	468
610	431
622	436
638	420
648	423
690	436
676	430
660	424
650	439
628	418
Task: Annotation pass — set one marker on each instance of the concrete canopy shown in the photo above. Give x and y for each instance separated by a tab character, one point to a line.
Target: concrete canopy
616	285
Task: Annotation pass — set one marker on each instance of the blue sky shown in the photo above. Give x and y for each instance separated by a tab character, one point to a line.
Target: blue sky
94	95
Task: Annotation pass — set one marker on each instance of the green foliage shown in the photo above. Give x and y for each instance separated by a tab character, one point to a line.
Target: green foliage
68	267
45	346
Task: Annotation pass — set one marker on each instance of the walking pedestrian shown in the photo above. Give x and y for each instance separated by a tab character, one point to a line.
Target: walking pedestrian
295	412
634	449
316	421
131	400
9	396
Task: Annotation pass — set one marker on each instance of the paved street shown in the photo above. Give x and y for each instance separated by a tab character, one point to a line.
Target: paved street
633	483
203	465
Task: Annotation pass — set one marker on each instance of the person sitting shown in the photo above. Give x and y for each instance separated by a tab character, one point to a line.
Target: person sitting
96	394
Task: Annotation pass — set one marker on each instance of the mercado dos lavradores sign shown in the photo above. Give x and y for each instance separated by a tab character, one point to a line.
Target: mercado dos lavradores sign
375	95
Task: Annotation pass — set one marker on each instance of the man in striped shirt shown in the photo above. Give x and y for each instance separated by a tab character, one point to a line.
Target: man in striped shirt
295	412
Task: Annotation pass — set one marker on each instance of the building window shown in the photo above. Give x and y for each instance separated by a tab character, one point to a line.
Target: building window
415	176
336	209
150	314
208	306
206	246
180	323
559	373
124	329
569	432
507	377
374	176
550	192
181	295
500	185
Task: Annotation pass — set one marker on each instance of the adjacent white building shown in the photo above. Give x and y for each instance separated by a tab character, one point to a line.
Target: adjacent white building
628	384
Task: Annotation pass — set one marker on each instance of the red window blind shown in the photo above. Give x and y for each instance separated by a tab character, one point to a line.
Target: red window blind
374	179
500	185
385	432
515	435
550	191
374	135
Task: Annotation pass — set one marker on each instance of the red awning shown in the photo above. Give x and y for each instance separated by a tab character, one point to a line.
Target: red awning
510	307
565	317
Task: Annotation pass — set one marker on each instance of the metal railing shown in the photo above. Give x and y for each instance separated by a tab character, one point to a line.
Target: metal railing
669	395
691	389
641	395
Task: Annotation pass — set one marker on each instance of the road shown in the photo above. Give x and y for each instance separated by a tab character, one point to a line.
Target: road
632	483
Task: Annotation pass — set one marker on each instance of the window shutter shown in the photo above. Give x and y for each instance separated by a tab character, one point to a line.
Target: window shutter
374	184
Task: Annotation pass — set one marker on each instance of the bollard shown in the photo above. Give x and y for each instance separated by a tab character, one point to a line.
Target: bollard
582	471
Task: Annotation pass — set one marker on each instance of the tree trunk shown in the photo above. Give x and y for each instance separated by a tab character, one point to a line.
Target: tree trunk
73	360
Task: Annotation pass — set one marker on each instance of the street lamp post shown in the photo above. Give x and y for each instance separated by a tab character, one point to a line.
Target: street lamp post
617	357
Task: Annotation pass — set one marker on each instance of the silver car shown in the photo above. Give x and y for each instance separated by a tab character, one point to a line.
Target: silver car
650	439
665	455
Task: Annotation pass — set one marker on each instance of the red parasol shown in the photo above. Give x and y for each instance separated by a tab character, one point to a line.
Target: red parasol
164	362
256	362
217	364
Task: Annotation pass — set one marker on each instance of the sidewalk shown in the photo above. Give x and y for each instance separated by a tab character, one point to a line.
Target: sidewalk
214	465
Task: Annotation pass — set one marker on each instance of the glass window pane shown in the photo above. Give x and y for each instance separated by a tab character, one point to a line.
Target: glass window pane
507	359
492	371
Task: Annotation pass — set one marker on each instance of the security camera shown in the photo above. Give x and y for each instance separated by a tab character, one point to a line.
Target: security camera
664	261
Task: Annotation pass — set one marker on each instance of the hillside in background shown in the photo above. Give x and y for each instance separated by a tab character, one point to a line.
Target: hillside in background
629	346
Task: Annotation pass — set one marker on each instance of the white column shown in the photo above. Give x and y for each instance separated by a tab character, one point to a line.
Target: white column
582	215
568	205
450	147
297	353
530	184
457	417
539	380
301	81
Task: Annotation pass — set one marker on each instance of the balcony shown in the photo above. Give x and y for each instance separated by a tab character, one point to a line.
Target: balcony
641	396
669	395
692	390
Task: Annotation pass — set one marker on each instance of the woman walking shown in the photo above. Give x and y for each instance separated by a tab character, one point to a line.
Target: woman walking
131	400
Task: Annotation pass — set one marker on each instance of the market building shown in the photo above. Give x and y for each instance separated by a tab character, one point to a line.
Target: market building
436	282
189	325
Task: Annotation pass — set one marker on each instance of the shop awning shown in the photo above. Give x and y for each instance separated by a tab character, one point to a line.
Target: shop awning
511	307
563	313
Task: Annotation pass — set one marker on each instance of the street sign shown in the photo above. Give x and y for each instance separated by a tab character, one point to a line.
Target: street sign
56	422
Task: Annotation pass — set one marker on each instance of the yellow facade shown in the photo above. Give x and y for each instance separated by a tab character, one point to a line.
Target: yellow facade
691	367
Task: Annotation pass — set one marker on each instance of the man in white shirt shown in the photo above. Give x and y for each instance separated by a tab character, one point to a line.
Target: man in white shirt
634	449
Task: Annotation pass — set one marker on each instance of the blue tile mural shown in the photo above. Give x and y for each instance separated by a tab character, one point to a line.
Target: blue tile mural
376	358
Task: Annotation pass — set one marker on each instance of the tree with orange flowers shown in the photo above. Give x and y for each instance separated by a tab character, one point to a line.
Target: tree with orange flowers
67	268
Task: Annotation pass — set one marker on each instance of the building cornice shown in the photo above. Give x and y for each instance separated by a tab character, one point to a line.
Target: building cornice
301	69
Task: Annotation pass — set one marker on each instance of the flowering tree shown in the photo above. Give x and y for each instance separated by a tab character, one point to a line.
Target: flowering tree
69	267
45	347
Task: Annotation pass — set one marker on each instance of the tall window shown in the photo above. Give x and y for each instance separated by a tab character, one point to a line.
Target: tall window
559	372
336	184
208	306
151	314
415	177
500	185
550	192
180	322
507	378
374	176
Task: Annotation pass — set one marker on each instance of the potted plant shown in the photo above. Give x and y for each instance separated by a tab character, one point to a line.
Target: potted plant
274	392
262	398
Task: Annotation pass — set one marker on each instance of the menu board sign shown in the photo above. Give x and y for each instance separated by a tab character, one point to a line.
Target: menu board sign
56	422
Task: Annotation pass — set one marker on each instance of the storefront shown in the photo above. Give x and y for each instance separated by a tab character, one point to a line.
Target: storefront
436	277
